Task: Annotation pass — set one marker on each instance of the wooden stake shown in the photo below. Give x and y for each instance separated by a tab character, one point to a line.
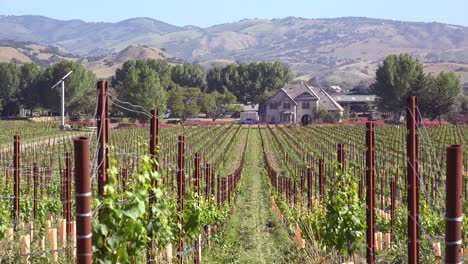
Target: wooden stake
208	235
378	241
387	240
25	247
300	242
9	234
379	237
62	231
168	253
52	234
436	249
31	231
43	246
48	225
73	238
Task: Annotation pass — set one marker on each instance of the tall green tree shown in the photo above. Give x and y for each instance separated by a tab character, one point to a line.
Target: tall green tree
394	81
215	80
80	88
164	70
29	90
217	104
139	84
161	67
9	85
207	104
441	94
184	102
187	75
252	82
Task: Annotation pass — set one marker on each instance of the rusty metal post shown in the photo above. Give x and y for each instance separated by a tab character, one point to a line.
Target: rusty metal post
340	156
309	187
382	190
124	173
28	181
35	186
107	125
302	185
294	192
213	183
83	201
67	194
370	252
453	205
102	136
224	191
207	180
393	204
413	181
16	186
218	190
197	255
197	173
180	190
154	131
321	179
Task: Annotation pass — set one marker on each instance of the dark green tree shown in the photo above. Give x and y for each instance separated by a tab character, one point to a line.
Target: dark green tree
207	103
139	84
9	86
214	80
161	67
187	75
441	94
462	103
394	81
275	75
184	102
252	82
217	104
164	70
29	89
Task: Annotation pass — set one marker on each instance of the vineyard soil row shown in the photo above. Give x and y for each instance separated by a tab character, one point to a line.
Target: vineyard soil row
254	233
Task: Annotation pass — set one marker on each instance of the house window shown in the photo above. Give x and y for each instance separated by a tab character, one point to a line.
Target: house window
286	105
306	105
272	119
273	105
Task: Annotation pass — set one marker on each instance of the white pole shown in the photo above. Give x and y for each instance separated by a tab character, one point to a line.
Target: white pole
63	105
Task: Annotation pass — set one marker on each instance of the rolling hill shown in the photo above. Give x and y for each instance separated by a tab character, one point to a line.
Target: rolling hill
102	66
105	67
334	50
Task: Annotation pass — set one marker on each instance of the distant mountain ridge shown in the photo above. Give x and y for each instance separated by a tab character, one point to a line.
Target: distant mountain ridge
102	66
82	38
344	49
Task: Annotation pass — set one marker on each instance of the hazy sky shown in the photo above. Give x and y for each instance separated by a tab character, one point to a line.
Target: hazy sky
210	12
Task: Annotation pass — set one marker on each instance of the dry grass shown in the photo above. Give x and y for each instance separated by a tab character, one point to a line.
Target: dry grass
7	54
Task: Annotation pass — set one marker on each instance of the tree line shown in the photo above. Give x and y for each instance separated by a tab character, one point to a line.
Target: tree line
185	90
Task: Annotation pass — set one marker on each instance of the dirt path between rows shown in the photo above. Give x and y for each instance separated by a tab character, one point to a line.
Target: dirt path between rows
254	233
